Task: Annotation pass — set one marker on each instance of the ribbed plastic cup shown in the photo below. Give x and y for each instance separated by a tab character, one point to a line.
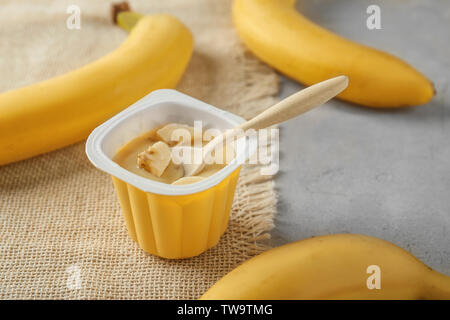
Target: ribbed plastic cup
165	220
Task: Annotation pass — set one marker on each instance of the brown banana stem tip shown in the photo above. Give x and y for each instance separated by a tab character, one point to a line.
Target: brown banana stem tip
116	8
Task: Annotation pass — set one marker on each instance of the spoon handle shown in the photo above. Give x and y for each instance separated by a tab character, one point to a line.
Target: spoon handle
298	103
286	109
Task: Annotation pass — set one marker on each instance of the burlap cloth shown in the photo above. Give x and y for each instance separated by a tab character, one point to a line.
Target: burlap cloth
62	235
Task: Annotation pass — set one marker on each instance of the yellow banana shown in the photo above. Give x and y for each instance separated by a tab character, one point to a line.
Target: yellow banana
64	110
280	36
333	267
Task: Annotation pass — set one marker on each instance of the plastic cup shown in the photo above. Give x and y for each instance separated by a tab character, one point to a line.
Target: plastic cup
166	220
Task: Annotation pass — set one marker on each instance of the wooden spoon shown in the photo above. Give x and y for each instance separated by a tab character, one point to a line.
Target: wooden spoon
286	109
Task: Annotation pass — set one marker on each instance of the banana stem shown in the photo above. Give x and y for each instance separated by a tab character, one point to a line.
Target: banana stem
124	17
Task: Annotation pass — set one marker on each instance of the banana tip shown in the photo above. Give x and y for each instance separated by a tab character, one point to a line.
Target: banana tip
347	80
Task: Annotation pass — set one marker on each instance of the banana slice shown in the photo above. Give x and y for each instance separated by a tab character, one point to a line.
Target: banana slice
187	180
173	172
172	135
155	159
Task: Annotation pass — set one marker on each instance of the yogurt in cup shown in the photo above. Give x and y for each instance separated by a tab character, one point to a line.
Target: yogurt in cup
167	220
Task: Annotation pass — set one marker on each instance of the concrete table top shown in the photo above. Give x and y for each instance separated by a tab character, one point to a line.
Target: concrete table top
385	173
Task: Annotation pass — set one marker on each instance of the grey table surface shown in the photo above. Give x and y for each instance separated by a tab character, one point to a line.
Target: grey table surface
385	173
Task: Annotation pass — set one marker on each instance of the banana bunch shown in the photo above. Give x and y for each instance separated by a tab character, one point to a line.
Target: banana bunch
342	266
64	110
280	36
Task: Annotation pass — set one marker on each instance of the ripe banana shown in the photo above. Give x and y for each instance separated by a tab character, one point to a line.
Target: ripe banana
171	135
332	267
280	36
64	110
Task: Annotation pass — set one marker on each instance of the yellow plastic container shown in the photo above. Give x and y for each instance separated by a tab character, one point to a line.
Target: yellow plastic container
165	220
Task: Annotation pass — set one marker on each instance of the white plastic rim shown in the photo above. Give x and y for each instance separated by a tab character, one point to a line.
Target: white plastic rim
158	108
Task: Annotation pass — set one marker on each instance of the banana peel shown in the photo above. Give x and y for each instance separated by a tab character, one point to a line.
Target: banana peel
332	267
283	38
